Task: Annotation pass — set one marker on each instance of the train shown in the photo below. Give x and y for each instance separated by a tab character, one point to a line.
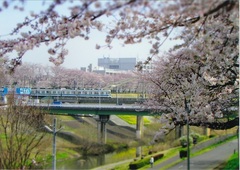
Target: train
81	93
47	92
3	91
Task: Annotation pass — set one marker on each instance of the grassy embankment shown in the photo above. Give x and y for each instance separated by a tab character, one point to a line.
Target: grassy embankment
132	119
232	163
125	95
210	147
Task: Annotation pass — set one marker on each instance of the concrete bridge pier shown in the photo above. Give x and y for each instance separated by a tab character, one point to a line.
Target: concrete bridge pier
139	134
139	127
206	131
102	133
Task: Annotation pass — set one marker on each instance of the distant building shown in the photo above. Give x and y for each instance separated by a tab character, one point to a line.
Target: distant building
83	69
90	68
117	63
101	70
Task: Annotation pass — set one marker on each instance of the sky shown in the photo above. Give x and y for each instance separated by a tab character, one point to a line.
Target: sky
81	53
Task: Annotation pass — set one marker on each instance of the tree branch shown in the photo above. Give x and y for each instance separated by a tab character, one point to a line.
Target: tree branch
213	125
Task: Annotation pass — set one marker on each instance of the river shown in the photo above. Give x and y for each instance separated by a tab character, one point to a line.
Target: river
90	162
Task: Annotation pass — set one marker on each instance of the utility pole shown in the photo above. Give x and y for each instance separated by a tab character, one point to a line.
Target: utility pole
187	109
54	144
54	131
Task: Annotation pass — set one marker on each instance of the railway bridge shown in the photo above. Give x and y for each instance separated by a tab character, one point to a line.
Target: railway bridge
102	113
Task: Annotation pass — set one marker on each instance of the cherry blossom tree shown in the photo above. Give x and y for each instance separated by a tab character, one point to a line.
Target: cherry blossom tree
182	89
198	81
28	74
198	77
38	76
130	21
3	70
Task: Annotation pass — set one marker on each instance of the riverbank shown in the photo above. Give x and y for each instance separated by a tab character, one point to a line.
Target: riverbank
162	164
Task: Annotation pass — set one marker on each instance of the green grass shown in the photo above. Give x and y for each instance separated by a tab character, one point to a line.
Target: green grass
132	120
2	136
210	147
124	95
167	154
233	162
122	167
62	155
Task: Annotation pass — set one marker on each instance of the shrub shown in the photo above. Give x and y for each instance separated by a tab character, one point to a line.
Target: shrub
195	137
183	153
158	156
233	162
145	161
183	141
211	136
139	163
201	138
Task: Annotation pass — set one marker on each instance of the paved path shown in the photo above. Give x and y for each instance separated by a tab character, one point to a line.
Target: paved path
206	161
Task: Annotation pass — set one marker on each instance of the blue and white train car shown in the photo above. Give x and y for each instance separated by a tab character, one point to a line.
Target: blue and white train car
3	93
84	93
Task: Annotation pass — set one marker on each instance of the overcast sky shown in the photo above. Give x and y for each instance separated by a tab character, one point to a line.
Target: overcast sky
81	52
